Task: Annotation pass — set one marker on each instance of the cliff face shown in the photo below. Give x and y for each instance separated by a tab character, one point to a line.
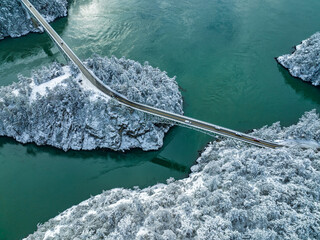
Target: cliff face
15	21
304	62
236	191
56	107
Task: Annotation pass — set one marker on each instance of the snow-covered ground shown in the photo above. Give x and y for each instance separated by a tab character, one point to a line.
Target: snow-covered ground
57	107
15	21
304	62
236	191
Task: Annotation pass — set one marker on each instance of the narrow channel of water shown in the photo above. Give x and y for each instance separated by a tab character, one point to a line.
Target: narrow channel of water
222	53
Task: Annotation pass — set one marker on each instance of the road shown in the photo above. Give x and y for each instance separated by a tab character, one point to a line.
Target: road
190	122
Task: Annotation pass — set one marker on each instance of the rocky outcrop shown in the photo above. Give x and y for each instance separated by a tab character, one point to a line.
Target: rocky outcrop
15	21
235	191
57	107
304	62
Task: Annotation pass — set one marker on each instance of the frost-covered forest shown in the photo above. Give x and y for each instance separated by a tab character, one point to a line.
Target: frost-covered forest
15	21
304	62
235	191
57	107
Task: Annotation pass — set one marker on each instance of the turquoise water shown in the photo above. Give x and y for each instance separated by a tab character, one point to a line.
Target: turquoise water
221	51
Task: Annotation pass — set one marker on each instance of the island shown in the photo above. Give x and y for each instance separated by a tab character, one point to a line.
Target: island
56	106
304	62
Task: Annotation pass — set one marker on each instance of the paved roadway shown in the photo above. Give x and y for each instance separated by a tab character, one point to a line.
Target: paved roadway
190	122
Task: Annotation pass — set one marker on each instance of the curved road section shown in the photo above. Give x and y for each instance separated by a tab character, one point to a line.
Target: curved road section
190	122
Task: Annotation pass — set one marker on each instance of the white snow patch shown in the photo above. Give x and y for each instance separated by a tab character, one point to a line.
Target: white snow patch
15	92
298	47
90	212
42	88
87	85
51	234
84	203
84	83
194	183
121	201
142	232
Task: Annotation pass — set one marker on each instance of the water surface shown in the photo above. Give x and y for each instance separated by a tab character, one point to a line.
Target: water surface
222	52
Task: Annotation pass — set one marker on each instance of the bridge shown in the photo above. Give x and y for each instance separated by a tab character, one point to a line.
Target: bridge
172	117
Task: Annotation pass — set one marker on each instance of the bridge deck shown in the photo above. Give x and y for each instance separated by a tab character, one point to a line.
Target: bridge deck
190	122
